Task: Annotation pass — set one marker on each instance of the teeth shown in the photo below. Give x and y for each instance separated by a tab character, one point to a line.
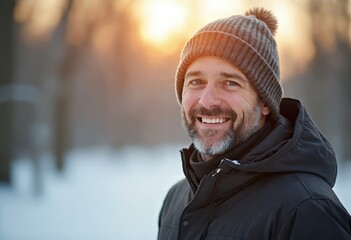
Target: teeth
213	120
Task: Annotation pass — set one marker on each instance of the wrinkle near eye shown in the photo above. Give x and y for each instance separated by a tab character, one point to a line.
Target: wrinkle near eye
185	89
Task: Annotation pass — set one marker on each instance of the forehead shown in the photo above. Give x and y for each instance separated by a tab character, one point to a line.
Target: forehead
212	65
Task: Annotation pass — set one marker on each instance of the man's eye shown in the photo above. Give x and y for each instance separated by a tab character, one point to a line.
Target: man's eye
196	82
231	83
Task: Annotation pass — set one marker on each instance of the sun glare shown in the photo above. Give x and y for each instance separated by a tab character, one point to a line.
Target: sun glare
160	20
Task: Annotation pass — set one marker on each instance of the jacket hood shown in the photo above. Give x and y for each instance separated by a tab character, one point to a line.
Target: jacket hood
295	145
307	151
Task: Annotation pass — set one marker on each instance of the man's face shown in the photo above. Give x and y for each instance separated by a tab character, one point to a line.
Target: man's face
220	108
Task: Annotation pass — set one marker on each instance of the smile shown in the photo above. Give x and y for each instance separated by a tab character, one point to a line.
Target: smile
212	120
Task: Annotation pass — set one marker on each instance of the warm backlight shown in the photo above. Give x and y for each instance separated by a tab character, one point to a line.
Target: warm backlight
161	20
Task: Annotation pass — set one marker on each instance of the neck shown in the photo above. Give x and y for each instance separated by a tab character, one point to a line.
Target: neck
207	157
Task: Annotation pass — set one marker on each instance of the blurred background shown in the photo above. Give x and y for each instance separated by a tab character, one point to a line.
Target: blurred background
89	123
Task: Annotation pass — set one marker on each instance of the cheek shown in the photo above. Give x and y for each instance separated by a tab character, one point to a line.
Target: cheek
241	103
240	106
185	110
236	103
188	101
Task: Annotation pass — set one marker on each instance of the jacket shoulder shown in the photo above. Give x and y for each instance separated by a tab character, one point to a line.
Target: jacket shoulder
178	196
318	218
299	187
287	192
176	199
316	188
316	212
179	187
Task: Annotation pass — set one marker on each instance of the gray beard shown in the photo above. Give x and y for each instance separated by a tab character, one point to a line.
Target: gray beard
231	138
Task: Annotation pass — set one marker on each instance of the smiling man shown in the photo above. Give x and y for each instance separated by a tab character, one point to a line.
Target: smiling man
221	108
258	167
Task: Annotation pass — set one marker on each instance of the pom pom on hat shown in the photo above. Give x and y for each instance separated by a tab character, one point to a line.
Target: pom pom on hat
266	16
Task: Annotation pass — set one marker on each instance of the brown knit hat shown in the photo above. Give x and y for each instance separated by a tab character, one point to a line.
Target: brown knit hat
245	41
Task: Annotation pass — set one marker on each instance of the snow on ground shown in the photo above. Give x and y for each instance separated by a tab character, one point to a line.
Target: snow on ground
101	195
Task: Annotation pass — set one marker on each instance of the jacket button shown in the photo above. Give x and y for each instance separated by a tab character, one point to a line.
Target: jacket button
185	223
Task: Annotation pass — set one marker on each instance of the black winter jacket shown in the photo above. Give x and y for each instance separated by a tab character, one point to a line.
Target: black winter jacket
279	190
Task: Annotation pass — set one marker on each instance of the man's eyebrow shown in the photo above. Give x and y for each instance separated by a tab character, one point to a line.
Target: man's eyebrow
233	75
222	74
193	74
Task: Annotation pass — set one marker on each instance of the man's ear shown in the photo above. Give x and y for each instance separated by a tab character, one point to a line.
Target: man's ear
265	110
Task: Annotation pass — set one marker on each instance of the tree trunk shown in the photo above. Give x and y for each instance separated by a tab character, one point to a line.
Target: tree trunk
6	79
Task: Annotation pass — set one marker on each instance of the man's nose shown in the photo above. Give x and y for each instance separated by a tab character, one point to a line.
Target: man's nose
210	97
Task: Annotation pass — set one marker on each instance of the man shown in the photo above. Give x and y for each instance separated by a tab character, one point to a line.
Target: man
258	167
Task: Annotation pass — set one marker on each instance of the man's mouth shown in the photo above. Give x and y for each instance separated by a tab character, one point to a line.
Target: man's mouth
217	120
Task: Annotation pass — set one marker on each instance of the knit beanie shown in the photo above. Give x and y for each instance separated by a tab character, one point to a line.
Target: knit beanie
245	41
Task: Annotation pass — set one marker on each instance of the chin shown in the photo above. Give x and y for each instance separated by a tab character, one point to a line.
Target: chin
213	148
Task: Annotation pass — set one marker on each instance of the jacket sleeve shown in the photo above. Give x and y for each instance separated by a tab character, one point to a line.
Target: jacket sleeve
316	219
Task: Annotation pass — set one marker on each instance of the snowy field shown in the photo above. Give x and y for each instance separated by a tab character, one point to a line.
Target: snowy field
101	195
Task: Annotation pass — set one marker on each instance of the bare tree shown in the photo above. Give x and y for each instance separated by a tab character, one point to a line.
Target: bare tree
330	71
6	79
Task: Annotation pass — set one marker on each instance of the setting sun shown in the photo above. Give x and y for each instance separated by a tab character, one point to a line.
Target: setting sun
161	20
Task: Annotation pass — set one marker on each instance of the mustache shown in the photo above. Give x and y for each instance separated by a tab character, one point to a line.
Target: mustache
213	112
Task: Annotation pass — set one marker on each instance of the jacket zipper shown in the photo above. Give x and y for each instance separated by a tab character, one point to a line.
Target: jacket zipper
214	174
